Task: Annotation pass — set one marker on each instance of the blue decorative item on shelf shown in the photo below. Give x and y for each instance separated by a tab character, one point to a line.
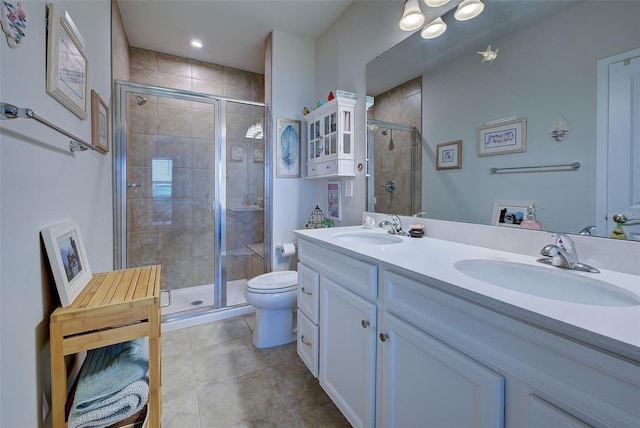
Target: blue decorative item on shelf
319	103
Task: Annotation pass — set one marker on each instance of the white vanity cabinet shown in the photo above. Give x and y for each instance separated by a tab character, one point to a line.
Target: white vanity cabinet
400	349
427	383
547	379
330	139
346	346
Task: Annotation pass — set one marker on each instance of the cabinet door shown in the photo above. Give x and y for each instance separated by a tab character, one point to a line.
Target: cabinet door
427	383
347	351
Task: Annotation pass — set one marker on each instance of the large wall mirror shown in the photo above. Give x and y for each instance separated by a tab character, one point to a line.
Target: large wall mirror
569	69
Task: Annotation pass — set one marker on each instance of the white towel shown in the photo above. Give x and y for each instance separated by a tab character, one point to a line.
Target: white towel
113	408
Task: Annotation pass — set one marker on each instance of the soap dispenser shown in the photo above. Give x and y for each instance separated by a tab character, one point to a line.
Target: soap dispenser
531	222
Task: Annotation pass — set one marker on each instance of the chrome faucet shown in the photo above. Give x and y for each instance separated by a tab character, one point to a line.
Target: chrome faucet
587	230
395	225
563	254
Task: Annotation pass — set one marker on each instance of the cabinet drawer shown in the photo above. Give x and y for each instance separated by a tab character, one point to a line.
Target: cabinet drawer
308	292
319	169
308	343
349	272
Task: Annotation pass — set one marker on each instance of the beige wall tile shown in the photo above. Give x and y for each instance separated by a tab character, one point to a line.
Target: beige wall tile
143	58
140	149
174	121
174	65
179	150
207	71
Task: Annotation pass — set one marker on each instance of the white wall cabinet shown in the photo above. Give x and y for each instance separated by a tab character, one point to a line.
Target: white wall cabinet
427	383
348	351
330	138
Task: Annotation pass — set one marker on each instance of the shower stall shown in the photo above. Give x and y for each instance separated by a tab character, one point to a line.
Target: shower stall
394	168
190	192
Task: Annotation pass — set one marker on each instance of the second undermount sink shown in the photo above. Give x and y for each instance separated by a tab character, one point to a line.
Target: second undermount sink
368	238
554	284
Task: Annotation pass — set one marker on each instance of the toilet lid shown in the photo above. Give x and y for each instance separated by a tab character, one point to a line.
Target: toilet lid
274	282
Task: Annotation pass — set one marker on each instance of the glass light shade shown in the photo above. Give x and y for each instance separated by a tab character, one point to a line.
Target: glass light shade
435	3
433	29
412	18
468	9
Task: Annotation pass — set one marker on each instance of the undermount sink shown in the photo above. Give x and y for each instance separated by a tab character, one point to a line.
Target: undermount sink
550	283
368	238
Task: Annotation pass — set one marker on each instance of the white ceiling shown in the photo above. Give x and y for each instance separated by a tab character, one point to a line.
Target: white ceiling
233	32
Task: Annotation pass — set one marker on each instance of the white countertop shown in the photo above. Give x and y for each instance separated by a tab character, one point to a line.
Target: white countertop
615	329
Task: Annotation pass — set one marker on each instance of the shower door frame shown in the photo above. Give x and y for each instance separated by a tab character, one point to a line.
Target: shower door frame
370	171
219	192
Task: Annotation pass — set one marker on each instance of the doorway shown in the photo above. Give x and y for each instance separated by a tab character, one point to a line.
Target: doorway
189	194
618	157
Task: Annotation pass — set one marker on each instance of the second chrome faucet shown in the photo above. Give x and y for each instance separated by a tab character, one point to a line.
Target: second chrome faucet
395	225
563	254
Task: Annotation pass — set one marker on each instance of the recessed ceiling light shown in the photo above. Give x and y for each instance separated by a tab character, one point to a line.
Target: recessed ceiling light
196	43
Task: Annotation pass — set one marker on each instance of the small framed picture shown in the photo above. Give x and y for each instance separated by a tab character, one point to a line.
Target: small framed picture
449	155
68	260
502	138
236	154
509	213
288	148
334	201
100	129
67	64
258	155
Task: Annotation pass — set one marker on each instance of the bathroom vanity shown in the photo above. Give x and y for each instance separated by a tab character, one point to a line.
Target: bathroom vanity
398	337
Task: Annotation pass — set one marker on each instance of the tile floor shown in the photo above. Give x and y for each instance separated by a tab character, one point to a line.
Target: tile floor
213	376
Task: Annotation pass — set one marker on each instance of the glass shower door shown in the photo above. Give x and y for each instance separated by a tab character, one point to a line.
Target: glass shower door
170	193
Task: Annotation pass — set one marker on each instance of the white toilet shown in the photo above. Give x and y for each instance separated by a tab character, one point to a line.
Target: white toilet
274	295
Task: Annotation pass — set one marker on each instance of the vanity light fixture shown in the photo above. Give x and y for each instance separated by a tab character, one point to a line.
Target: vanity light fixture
468	9
435	3
433	29
412	18
196	43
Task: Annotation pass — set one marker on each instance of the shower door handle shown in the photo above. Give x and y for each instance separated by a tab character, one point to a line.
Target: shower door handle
133	186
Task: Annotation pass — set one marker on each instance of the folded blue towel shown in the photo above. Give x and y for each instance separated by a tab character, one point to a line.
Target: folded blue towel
114	408
108	370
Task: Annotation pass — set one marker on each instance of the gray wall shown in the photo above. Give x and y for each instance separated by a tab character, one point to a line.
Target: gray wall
43	184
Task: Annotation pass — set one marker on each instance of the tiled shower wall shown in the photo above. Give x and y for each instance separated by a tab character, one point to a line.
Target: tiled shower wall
178	231
401	105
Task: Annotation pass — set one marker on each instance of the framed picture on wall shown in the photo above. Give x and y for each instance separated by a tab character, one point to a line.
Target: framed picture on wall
449	155
334	200
67	64
502	138
100	134
288	148
68	260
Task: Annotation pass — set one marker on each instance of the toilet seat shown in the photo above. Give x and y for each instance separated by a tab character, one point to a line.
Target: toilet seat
273	282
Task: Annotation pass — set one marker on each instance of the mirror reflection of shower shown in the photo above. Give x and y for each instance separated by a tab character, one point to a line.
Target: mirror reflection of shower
394	177
140	99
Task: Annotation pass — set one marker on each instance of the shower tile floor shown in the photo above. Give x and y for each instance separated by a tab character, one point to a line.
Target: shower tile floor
213	376
187	299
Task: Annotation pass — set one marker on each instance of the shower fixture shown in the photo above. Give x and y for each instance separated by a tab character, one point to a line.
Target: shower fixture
141	100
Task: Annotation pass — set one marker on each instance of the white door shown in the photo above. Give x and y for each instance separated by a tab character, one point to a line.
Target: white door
623	177
347	351
425	383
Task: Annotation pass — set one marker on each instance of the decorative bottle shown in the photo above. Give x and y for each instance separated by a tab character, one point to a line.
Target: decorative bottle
531	222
